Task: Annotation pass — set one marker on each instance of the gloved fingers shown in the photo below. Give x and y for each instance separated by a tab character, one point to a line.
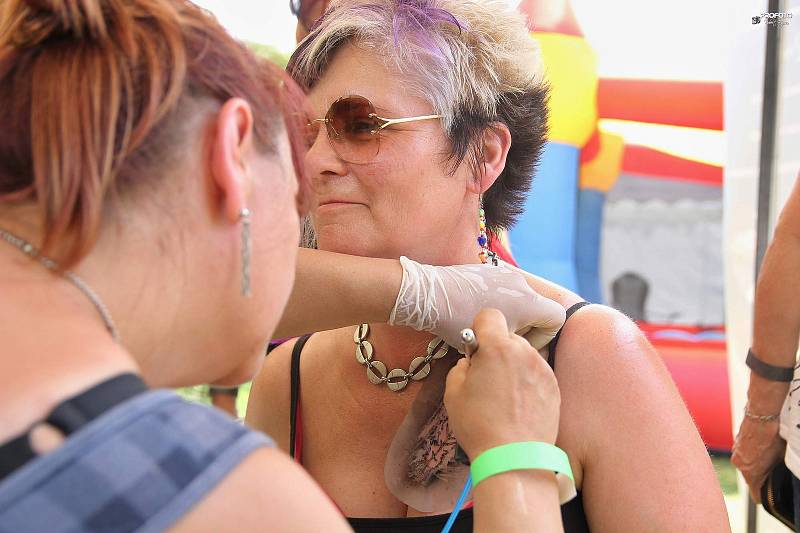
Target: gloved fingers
444	300
549	316
539	338
546	317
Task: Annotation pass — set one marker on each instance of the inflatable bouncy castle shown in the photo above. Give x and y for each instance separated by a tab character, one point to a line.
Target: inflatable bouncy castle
626	208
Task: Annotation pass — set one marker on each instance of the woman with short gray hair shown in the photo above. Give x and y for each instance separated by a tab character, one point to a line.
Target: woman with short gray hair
428	119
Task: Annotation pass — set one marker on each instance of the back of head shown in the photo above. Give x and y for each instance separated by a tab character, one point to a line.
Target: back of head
93	94
472	60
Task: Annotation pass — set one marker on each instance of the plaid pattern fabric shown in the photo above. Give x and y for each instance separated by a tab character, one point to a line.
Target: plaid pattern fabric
139	467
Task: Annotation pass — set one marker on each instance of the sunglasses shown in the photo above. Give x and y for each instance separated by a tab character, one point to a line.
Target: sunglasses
354	128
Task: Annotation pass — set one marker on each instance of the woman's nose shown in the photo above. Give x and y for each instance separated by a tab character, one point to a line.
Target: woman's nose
321	160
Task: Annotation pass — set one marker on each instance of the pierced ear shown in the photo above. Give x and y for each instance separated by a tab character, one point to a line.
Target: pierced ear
496	144
232	144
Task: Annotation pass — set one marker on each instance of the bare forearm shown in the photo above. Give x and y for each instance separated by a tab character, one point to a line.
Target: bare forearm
525	500
336	290
776	320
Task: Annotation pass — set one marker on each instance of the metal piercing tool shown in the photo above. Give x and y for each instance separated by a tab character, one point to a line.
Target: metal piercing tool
469	341
470	344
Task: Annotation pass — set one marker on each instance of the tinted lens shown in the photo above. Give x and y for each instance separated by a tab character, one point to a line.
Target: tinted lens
353	129
310	133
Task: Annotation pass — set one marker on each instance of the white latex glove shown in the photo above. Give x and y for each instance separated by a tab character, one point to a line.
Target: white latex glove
446	299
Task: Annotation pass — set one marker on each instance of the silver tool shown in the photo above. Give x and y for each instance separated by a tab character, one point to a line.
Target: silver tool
470	341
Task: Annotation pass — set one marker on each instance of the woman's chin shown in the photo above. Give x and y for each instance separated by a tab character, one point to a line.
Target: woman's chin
344	244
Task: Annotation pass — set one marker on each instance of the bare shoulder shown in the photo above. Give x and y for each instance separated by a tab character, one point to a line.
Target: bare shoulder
613	337
604	360
618	400
265	491
596	336
269	404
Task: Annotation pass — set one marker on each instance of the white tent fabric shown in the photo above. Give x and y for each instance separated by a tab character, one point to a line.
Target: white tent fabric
677	248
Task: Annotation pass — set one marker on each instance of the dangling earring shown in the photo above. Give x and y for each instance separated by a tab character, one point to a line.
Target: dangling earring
244	218
483	240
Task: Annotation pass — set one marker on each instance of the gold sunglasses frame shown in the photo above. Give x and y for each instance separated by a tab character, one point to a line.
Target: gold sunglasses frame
384	122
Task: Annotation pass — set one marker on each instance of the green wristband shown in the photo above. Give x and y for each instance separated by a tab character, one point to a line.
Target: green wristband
520	456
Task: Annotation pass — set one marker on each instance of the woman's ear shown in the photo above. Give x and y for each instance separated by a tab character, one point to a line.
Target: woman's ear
232	144
495	144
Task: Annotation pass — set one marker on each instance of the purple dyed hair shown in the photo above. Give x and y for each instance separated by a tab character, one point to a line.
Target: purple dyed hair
419	17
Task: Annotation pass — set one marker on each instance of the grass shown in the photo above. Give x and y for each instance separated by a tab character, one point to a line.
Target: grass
726	474
199	394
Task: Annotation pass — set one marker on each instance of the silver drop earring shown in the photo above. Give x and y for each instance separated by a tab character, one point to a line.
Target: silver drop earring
244	218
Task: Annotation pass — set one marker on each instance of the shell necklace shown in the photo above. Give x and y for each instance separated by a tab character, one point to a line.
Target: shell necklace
398	378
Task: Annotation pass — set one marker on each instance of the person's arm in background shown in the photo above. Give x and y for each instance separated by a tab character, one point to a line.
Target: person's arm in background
776	328
336	290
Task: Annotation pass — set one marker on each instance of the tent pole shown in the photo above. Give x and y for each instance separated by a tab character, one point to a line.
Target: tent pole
769	113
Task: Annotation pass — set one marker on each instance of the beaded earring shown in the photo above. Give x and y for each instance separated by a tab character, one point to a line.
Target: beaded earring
485	254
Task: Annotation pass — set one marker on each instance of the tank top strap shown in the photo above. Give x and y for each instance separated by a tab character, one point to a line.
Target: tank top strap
295	428
71	415
551	358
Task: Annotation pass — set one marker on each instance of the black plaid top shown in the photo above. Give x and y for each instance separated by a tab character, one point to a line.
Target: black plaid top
140	466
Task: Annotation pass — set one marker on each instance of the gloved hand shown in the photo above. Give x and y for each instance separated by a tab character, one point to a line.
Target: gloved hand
446	299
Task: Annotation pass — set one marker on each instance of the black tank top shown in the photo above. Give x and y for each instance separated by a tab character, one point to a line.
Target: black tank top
572	513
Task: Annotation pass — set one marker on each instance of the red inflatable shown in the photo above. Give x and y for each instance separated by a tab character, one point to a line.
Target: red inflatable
699	366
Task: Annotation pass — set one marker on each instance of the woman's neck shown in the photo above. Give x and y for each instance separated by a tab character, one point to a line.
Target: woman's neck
397	346
452	243
55	343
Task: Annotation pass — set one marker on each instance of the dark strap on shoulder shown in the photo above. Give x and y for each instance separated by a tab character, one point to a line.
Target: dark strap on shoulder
295	390
71	415
551	358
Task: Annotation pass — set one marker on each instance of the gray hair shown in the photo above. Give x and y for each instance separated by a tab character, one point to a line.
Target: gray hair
474	61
